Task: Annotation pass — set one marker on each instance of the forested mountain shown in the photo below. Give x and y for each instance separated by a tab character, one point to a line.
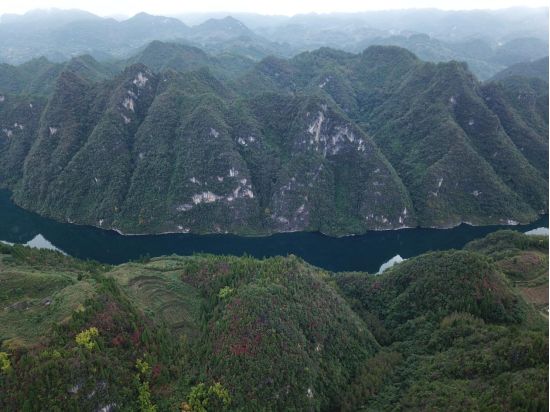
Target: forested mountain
447	331
38	76
537	68
327	140
484	59
160	56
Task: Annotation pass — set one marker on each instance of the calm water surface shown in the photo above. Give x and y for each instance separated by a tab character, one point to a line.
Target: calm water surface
366	252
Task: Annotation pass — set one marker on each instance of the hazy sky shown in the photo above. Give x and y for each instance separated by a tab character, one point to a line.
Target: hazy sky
287	7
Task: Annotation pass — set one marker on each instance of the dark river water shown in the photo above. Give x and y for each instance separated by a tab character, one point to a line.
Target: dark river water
363	253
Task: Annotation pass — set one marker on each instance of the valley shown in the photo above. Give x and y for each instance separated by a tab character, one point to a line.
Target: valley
309	210
366	252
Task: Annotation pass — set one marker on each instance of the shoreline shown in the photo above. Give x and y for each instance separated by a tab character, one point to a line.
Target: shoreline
508	223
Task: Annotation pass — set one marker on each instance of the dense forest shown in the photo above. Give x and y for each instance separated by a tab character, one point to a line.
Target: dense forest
454	330
176	140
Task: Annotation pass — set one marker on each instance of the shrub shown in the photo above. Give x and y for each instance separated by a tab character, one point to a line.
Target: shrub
203	399
86	338
5	364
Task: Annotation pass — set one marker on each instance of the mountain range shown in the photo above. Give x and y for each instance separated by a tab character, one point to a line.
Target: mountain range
488	41
327	140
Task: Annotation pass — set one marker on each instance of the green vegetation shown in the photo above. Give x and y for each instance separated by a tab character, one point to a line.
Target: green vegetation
537	68
203	399
5	364
523	259
86	338
144	394
456	335
442	331
326	141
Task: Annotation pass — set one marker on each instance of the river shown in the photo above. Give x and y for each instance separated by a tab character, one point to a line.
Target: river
362	253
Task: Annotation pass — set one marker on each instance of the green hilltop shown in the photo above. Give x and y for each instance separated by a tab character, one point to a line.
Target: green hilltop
450	330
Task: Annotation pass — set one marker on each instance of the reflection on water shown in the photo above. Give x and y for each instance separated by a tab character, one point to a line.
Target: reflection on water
539	231
40	242
362	253
393	261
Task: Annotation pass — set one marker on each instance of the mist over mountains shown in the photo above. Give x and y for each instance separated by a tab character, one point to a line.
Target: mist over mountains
488	41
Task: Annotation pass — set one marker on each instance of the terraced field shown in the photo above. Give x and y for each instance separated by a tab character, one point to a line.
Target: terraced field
157	289
529	273
524	261
33	297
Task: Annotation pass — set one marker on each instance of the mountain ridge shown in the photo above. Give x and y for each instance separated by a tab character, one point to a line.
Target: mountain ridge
318	142
488	40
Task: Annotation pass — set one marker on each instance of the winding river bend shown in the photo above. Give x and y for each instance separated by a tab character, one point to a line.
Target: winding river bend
362	253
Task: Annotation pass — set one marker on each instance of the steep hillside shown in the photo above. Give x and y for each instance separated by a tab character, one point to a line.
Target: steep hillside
38	76
446	321
537	68
210	333
274	334
521	104
524	260
429	120
328	141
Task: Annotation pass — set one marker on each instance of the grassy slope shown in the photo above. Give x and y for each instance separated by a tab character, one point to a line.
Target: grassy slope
524	261
46	287
442	331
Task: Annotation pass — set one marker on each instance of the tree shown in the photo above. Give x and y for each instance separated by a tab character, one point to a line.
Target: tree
86	338
204	399
5	364
144	393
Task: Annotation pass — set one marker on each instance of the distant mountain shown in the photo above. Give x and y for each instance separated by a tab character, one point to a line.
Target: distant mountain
161	56
537	68
60	35
452	26
328	141
223	29
520	50
47	19
38	76
475	52
144	27
229	35
99	37
488	41
483	59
